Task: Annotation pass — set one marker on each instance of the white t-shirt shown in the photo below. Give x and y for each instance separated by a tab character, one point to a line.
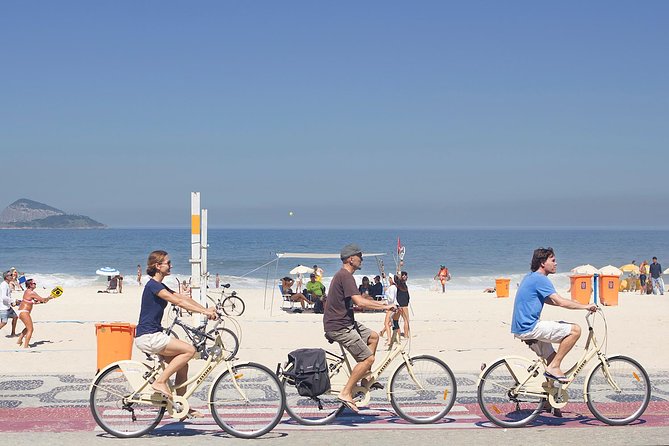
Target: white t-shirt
391	295
5	295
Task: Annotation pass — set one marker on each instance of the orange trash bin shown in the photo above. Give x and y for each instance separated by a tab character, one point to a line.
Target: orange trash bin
114	342
502	287
581	288
608	290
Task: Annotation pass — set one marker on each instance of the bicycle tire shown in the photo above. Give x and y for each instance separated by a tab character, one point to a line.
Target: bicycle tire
432	399
256	412
618	408
233	306
497	402
112	415
304	409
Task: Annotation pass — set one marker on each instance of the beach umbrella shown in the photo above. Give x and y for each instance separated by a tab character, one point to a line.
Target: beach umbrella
301	269
666	271
610	270
585	269
630	268
107	271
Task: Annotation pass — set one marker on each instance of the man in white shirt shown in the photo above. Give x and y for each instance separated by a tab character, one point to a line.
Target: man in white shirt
6	311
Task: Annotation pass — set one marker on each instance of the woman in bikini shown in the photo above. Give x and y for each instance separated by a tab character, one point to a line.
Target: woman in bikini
30	297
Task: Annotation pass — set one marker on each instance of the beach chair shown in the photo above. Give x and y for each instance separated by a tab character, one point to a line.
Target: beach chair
285	299
112	286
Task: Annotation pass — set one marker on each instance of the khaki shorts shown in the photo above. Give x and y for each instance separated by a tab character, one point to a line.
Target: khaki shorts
546	333
152	343
354	339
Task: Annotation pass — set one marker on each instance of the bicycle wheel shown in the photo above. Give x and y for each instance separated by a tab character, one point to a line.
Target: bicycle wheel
230	342
114	414
618	407
233	306
253	409
306	410
498	400
428	397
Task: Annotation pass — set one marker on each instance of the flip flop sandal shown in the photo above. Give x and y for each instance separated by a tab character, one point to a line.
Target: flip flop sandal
560	379
350	404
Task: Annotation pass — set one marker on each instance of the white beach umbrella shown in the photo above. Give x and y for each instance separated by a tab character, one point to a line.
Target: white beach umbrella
610	270
585	269
301	269
666	271
107	271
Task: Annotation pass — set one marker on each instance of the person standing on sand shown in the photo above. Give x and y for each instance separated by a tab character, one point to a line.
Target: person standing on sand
6	311
30	297
149	335
443	276
656	277
139	274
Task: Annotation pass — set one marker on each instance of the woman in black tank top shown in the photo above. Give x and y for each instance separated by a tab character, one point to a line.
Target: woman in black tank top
403	300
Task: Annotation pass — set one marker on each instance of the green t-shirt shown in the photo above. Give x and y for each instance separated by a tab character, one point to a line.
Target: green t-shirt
315	288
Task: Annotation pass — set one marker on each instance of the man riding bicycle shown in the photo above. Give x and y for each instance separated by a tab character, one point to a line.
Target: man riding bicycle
340	325
535	290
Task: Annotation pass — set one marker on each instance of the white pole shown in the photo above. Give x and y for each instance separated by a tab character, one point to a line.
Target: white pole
195	250
204	249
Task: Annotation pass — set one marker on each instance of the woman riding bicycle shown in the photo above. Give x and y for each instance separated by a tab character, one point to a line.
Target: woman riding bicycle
149	335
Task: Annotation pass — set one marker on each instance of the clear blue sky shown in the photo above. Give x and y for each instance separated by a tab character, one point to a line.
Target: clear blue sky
348	113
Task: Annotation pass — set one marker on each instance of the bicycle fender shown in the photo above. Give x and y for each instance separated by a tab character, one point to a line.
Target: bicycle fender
520	374
590	372
133	370
229	368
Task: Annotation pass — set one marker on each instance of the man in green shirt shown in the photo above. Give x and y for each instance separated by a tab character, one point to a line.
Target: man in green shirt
315	289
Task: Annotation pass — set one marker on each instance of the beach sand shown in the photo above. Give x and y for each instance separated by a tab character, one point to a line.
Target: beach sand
464	328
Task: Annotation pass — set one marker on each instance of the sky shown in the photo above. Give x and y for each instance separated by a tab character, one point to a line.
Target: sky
347	114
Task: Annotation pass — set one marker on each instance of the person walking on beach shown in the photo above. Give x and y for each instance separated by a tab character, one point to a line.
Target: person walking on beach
656	277
403	301
340	326
643	275
391	299
30	297
443	276
319	273
535	290
6	310
218	281
139	274
149	335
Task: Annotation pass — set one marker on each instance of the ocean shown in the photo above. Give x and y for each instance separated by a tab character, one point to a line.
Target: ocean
474	257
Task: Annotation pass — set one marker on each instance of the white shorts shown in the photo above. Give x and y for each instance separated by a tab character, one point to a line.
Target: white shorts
546	333
152	343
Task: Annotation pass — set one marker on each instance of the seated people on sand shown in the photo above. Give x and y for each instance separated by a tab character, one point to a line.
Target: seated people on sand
315	289
365	287
376	289
286	284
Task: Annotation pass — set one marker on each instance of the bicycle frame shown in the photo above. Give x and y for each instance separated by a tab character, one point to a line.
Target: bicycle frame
340	374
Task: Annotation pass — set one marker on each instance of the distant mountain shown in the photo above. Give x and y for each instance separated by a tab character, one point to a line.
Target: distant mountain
24	213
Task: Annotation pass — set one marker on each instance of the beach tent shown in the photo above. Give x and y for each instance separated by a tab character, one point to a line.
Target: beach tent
300	255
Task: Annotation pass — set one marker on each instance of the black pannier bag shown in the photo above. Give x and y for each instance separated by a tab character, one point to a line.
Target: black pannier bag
309	371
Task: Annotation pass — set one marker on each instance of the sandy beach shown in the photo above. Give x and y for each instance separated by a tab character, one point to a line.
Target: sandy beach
464	328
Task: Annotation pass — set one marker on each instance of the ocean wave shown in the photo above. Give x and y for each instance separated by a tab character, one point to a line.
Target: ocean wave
475	283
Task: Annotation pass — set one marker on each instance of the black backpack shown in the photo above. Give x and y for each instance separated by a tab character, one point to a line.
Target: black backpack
309	371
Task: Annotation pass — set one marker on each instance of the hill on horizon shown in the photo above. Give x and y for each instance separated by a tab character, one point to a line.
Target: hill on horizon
30	214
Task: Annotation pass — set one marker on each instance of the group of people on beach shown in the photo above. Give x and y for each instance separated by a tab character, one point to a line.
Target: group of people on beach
19	309
648	279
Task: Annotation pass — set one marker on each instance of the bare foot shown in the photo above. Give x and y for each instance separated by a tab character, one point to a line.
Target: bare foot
162	389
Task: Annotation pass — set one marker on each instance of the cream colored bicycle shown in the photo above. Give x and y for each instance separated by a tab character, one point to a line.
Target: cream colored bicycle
513	390
421	390
245	400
